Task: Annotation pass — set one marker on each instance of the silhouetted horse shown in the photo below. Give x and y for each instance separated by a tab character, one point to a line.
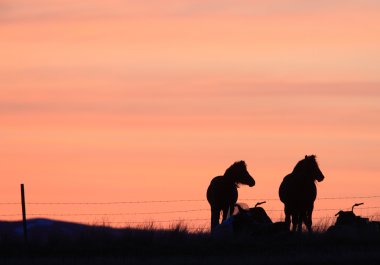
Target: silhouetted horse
222	193
298	192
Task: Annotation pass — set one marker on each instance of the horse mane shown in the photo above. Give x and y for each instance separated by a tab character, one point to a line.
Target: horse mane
235	165
230	171
300	165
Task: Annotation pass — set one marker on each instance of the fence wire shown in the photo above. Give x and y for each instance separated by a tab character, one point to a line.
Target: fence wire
162	212
173	221
177	201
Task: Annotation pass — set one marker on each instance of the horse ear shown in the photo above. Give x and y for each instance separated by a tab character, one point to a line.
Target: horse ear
305	156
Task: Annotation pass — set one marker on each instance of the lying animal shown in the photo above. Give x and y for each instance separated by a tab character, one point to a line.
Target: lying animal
349	222
349	218
249	221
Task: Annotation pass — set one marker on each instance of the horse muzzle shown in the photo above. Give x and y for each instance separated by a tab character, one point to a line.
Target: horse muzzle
251	183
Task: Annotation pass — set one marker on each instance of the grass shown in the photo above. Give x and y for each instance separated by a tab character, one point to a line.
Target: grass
177	245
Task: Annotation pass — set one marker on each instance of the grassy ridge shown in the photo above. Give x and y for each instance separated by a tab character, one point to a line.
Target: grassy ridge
146	245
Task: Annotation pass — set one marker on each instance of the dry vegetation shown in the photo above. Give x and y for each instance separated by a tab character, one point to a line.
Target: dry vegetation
148	245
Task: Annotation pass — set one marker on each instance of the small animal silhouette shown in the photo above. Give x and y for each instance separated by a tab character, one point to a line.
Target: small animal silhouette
222	192
348	223
349	218
252	222
298	192
254	214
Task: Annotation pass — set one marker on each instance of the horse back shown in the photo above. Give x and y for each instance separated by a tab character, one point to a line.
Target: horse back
221	193
293	191
284	189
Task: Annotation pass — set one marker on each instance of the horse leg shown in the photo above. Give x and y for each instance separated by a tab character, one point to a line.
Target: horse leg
294	221
227	212
308	223
287	217
308	219
215	214
299	224
304	219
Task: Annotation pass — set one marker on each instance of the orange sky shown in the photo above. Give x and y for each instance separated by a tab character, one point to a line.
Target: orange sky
148	100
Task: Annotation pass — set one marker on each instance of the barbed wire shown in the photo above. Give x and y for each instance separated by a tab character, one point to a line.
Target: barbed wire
163	212
104	203
177	201
206	219
185	220
106	214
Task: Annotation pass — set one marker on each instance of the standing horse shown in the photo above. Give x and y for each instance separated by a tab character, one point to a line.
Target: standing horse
298	192
222	193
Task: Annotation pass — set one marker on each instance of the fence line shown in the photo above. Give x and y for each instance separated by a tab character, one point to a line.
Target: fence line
163	212
174	221
202	219
103	203
176	201
110	214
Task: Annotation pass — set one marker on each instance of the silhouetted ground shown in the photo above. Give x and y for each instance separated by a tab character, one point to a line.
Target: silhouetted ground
54	242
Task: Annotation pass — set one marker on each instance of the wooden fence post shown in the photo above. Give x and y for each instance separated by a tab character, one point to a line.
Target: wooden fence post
24	213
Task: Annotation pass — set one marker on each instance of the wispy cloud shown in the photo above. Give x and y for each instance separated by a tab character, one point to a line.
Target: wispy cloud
40	10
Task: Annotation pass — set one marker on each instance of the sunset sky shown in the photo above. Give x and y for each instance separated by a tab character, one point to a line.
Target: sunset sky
105	101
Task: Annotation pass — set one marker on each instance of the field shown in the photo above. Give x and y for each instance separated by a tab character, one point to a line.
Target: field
55	242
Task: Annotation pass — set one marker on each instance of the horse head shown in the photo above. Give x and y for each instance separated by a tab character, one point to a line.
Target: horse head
239	174
312	168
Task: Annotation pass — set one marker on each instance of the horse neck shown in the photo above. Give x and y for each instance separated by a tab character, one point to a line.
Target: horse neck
230	180
303	177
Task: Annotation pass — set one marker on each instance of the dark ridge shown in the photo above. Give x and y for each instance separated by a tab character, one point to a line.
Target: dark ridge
52	240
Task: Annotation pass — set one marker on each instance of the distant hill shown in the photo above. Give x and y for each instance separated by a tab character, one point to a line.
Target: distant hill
42	228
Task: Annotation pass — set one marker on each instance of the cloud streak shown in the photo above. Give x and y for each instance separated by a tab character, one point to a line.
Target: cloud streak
174	91
42	10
